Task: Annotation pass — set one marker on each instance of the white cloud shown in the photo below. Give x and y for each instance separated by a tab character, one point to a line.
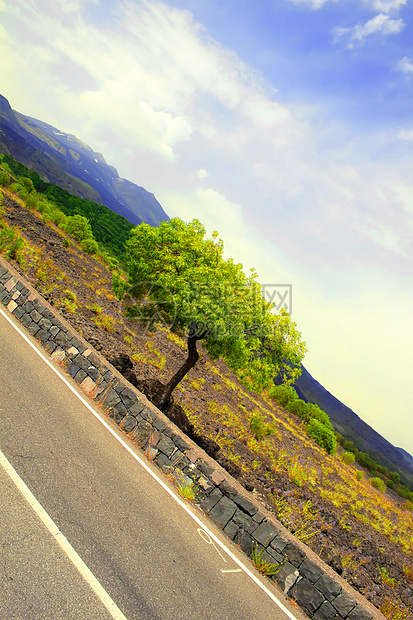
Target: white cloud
381	25
406	134
387	6
405	65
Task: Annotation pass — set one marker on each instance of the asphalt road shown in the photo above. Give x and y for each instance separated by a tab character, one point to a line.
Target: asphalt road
149	558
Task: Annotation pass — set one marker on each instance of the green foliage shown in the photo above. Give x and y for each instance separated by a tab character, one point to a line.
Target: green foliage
378	483
298	407
4	178
266	568
314	412
27	184
109	229
1	203
119	284
193	282
78	227
322	435
90	246
348	458
284	395
19	190
259	427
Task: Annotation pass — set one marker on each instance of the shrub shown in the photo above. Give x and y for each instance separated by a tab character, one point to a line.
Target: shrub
314	411
259	427
283	394
378	483
348	457
90	246
19	190
299	407
323	436
4	178
27	184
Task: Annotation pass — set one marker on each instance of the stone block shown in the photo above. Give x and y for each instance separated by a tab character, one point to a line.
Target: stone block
286	576
326	612
244	540
36	317
109	398
18	313
11	306
54	330
128	423
128	397
242	520
142	433
50	346
159	424
222	512
212	499
307	596
26	320
43	335
231	530
265	533
93	373
58	355
45	324
33	328
166	446
80	375
359	614
245	505
61	339
294	554
164	463
205	468
88	384
280	542
227	489
327	586
310	570
344	604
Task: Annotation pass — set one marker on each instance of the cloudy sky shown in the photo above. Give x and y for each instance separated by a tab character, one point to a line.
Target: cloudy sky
285	125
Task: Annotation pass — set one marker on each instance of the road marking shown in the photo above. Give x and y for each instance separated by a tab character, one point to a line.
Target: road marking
62	541
207	538
154	475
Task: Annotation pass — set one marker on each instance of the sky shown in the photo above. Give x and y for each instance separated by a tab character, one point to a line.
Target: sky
285	125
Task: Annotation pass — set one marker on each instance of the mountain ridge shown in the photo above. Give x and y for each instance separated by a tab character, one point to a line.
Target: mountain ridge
61	158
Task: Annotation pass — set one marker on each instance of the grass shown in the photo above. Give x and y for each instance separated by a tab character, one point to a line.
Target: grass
187	490
265	568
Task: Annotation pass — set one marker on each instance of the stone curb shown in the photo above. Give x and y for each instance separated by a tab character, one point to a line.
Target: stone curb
319	591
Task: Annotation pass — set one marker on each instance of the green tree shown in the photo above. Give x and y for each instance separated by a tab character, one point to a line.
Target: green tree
195	287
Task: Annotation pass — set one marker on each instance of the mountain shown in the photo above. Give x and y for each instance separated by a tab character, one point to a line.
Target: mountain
353	428
66	161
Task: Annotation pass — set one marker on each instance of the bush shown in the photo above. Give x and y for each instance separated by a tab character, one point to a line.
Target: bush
378	483
299	407
19	190
348	458
283	394
27	184
90	246
259	427
315	412
323	436
4	178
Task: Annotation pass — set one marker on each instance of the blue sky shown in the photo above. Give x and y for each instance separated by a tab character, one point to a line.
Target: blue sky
287	126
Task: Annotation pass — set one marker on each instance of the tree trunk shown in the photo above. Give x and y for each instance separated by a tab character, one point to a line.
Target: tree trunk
191	360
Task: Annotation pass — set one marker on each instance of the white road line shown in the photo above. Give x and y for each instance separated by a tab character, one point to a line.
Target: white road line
175	497
62	541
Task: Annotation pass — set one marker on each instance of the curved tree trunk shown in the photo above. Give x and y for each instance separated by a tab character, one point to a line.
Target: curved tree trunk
191	360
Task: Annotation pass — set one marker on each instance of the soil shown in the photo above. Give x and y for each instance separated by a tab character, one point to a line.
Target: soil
81	288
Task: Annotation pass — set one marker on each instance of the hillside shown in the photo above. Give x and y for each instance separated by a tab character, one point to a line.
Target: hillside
353	428
361	532
66	161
